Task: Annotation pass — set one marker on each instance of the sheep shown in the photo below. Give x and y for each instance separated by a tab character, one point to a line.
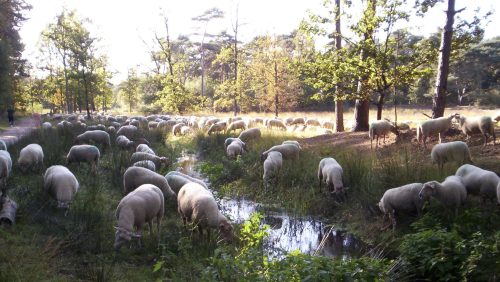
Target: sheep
299	120
178	179
5	169
135	176
152	125
145	148
330	172
197	205
272	166
276	123
456	151
84	153
233	119
239	124
289	151
3	146
312	122
138	207
293	142
235	149
403	126
451	192
328	124
141	156
111	130
97	136
141	140
177	128
231	140
61	184
128	130
124	143
217	127
483	125
46	126
381	128
146	164
479	181
30	156
96	127
210	122
250	134
185	130
288	121
405	198
434	126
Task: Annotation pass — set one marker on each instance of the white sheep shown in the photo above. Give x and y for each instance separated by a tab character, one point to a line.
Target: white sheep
30	156
250	134
141	156
144	148
135	176
152	124
5	169
197	205
483	125
456	151
451	192
97	136
405	199
128	130
479	181
238	124
3	145
178	179
146	164
289	151
124	143
138	207
312	122
434	126
185	130
293	142
177	128
220	126
46	126
235	149
330	172
84	153
272	167
299	120
111	130
288	121
61	184
276	123
328	124
381	128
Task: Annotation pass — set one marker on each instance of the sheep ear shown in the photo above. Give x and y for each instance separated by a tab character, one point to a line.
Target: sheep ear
135	235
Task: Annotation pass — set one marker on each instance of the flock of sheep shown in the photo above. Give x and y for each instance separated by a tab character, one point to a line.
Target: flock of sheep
146	191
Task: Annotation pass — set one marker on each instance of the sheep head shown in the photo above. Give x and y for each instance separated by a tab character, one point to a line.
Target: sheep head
123	236
226	229
428	190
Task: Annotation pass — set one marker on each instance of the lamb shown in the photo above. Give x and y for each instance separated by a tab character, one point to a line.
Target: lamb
217	127
483	125
177	128
405	198
276	123
141	156
238	124
138	207
272	167
330	172
177	179
30	156
135	176
146	164
456	151
451	192
128	130
479	181
145	148
5	169
97	136
250	134
3	146
124	143
434	126
289	151
235	149
84	153
61	184
46	126
197	205
381	128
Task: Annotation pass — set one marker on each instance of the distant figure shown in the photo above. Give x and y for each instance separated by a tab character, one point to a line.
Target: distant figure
10	115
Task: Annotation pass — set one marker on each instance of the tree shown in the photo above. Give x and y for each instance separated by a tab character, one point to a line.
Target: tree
339	110
129	89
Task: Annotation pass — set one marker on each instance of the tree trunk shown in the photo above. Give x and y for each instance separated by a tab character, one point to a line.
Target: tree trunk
339	109
276	98
380	105
236	65
439	100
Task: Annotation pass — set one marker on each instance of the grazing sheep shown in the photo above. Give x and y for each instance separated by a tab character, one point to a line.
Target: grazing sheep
250	134
483	125
3	145
328	124
97	136
84	153
272	167
145	148
178	179
479	181
403	126
451	192
233	119
312	122
239	124
434	126
177	128
185	130
405	198
235	149
288	121
46	126
128	130
330	172
141	156
152	125
197	205
30	156
141	140
276	123
217	127
293	142
111	130
135	176
146	164
124	143
5	169
138	207
299	120
289	151
61	184
456	151
381	128
96	127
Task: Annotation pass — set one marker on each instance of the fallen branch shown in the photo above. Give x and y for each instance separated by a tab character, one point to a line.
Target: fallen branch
427	115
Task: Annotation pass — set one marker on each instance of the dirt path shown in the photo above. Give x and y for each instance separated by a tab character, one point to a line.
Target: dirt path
22	127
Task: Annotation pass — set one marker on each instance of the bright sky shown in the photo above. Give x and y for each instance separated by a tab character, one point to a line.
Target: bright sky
124	24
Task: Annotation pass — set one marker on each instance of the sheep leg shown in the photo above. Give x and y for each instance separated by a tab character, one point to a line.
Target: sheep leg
392	217
150	224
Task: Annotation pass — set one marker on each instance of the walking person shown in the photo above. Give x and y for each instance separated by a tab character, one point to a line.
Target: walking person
10	115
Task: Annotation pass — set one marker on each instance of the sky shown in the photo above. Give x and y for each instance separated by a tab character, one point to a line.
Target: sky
124	25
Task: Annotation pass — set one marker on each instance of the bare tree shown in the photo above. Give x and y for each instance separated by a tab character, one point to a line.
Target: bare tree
339	109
